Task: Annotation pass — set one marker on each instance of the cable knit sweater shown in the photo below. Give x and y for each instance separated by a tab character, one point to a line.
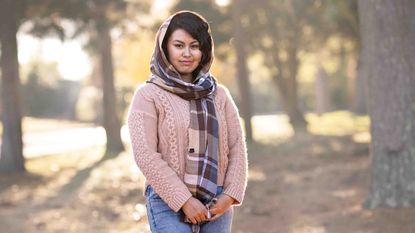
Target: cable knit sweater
158	124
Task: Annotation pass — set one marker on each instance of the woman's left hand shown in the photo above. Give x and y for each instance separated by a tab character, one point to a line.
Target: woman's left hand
223	203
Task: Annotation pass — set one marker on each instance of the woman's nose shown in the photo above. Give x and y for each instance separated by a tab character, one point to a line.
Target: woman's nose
186	52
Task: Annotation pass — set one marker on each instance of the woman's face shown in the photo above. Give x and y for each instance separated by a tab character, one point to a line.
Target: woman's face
184	53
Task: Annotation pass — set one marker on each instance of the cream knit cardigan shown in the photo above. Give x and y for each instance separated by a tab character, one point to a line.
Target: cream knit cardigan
158	124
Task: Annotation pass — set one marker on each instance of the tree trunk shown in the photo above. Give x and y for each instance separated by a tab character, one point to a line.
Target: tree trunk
290	105
297	119
351	81
321	91
111	122
242	72
360	89
287	87
387	29
11	159
295	116
345	98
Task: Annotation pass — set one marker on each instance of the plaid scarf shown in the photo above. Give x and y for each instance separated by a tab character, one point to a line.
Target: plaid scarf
202	157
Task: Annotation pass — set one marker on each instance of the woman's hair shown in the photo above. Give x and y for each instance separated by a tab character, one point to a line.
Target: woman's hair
198	28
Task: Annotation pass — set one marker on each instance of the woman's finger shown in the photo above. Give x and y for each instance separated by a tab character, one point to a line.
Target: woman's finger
199	219
215	217
202	217
215	211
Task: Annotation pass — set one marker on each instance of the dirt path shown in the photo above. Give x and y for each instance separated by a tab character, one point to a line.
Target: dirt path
310	184
318	187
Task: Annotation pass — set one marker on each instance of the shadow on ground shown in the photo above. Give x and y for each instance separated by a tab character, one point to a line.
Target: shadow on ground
307	183
313	183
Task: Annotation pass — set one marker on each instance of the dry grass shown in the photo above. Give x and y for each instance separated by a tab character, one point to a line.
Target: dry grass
77	192
309	183
32	125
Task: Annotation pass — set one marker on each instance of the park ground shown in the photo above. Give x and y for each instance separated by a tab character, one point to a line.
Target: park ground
308	183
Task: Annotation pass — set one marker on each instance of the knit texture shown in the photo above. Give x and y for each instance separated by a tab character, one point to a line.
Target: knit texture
158	123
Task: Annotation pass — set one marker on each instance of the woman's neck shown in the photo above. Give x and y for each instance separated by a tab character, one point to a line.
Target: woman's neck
187	78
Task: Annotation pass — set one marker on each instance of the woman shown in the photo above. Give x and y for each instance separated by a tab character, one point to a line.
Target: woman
186	135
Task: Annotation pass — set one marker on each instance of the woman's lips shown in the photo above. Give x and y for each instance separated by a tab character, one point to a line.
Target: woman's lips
186	63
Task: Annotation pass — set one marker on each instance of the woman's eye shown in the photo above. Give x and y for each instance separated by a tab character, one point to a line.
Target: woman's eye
195	46
178	45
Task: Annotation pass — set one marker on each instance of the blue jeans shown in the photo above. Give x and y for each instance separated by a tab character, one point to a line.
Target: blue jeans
163	219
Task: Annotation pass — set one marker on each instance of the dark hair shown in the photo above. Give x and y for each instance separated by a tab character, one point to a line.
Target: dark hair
198	28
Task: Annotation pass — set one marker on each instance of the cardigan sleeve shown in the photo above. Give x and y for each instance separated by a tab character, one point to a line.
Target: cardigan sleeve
236	173
143	127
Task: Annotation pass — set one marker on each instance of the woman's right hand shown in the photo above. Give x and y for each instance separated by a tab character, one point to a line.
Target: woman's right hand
195	211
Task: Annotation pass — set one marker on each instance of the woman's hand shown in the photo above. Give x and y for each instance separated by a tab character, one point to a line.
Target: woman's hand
195	211
223	203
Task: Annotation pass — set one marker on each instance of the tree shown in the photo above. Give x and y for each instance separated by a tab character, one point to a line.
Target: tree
342	18
12	15
11	159
388	57
287	28
322	96
96	18
242	76
112	123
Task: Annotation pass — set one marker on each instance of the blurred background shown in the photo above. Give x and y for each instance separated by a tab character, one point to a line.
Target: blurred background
295	69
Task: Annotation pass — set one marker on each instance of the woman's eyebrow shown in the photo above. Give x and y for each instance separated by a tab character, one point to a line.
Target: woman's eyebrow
179	41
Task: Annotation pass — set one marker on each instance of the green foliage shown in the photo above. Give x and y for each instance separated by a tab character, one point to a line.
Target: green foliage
304	28
273	29
342	19
75	18
36	95
279	23
47	95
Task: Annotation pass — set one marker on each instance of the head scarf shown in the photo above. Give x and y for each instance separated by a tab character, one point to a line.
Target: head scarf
202	155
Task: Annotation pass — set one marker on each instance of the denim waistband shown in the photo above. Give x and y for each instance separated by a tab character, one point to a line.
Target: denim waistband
219	190
150	189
